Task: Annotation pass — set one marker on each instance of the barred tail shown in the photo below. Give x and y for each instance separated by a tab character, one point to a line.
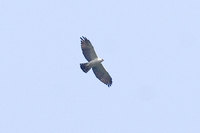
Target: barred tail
85	67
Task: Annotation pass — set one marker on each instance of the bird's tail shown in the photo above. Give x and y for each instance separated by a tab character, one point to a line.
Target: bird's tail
85	67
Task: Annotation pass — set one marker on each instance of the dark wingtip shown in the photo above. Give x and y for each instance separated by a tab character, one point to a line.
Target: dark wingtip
110	83
83	39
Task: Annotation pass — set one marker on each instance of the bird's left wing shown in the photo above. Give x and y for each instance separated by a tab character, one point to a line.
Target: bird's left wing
101	73
88	49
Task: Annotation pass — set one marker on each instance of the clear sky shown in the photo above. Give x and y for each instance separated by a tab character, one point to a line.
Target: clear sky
151	48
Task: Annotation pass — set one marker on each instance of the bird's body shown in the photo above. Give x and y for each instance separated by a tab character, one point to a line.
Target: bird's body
94	62
87	66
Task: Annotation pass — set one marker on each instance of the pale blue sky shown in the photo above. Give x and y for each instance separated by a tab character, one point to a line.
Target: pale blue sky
151	48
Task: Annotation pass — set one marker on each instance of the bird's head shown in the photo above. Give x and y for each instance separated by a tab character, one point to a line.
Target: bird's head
100	59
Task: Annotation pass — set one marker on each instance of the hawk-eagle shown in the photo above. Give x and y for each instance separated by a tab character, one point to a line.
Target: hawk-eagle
94	62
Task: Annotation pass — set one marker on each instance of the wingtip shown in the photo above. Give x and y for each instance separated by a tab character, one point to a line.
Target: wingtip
83	38
109	84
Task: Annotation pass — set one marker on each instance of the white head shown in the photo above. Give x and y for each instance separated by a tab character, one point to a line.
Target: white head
100	59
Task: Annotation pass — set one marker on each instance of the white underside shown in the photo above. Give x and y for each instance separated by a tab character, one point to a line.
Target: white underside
95	62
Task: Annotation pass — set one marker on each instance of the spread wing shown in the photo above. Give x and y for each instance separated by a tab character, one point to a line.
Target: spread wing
87	49
101	73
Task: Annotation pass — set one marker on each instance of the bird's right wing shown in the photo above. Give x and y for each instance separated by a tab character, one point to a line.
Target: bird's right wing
88	49
101	73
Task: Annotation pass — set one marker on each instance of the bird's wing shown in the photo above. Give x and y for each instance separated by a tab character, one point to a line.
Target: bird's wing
88	49
101	73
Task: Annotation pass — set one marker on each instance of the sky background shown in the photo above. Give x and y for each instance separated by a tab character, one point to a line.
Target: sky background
151	48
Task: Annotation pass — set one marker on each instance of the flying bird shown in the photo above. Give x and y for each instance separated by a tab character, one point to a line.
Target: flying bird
94	62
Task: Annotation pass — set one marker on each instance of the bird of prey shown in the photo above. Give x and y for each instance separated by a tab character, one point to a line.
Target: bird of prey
94	62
